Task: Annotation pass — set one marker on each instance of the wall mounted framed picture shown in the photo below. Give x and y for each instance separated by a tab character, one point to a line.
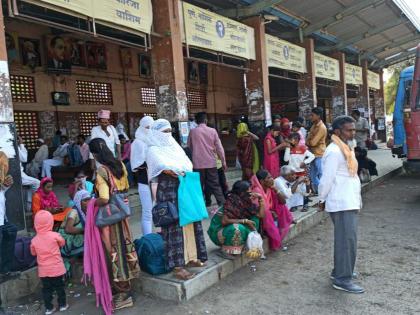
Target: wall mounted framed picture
145	66
193	72
30	52
96	55
58	55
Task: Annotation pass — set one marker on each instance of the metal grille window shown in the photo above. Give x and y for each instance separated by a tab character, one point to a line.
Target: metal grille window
23	88
148	97
94	93
197	99
153	115
27	128
87	121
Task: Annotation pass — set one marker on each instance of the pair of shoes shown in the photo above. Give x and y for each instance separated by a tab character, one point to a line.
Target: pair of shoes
49	312
64	308
349	287
128	302
354	276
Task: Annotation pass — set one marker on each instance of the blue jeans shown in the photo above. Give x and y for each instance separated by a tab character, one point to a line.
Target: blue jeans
316	173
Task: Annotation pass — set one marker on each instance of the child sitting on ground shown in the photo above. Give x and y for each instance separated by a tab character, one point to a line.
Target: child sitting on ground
299	157
46	247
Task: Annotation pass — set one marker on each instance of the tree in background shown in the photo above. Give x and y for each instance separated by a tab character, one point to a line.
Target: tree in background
391	85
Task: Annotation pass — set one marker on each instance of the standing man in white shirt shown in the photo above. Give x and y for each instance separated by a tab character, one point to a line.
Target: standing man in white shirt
59	154
340	195
107	132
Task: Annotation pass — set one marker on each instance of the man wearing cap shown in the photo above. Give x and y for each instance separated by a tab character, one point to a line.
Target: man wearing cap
33	168
107	132
58	156
340	195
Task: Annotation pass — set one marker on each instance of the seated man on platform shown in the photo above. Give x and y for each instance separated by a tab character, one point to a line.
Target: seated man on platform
58	156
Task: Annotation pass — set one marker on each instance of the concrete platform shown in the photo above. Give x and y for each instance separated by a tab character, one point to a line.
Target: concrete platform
167	286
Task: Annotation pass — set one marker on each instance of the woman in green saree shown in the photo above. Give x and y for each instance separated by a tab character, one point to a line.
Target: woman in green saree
240	215
73	226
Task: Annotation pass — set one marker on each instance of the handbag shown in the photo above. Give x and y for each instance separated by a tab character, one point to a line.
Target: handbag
117	208
190	199
164	214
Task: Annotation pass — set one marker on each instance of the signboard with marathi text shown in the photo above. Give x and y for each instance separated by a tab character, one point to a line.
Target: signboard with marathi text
133	14
373	80
284	55
353	74
326	67
211	31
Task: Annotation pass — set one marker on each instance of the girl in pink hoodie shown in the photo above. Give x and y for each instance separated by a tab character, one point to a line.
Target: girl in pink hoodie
46	247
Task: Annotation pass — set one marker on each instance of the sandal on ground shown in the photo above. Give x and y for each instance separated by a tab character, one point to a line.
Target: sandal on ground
196	263
182	274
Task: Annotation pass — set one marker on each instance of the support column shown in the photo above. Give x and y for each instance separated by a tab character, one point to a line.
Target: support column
258	87
307	88
380	110
168	62
363	100
14	200
339	92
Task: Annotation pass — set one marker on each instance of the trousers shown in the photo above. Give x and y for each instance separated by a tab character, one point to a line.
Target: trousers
223	186
51	285
8	233
209	178
146	208
345	244
47	165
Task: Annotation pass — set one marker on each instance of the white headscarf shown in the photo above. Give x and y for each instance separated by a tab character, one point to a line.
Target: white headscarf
165	153
141	144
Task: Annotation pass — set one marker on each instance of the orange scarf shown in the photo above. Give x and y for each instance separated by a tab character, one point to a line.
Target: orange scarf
348	154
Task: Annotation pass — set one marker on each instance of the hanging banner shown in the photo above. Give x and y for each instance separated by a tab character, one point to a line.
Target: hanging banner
82	7
353	74
133	14
211	31
373	80
284	55
326	67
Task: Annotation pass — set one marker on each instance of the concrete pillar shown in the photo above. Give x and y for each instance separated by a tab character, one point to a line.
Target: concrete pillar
258	88
168	62
14	201
339	91
379	107
307	88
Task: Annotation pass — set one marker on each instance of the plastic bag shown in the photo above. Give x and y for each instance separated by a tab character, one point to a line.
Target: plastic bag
254	243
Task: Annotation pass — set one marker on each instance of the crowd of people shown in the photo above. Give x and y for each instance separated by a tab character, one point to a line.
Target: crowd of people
277	179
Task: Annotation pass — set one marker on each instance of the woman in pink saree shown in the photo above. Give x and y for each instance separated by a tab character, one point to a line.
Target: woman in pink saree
277	220
271	152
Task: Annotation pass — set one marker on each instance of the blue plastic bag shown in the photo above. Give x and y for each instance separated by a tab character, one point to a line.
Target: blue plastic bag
191	204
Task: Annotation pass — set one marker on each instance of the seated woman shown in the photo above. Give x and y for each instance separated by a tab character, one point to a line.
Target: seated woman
80	183
45	199
277	219
73	227
230	226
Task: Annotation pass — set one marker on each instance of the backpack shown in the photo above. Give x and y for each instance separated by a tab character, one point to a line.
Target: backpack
23	258
151	252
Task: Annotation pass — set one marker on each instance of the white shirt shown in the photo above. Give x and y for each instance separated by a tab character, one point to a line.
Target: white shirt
292	199
296	158
111	141
41	154
23	155
304	132
337	188
60	152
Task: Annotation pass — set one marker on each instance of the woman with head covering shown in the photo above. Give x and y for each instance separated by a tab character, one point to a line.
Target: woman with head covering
271	151
230	226
111	179
73	227
45	199
185	246
247	151
139	149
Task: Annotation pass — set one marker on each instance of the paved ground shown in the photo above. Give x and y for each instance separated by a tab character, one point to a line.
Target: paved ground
296	282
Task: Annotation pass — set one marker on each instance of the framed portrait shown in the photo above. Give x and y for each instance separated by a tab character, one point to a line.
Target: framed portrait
202	73
193	72
96	55
12	48
77	52
145	66
30	53
126	58
59	54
